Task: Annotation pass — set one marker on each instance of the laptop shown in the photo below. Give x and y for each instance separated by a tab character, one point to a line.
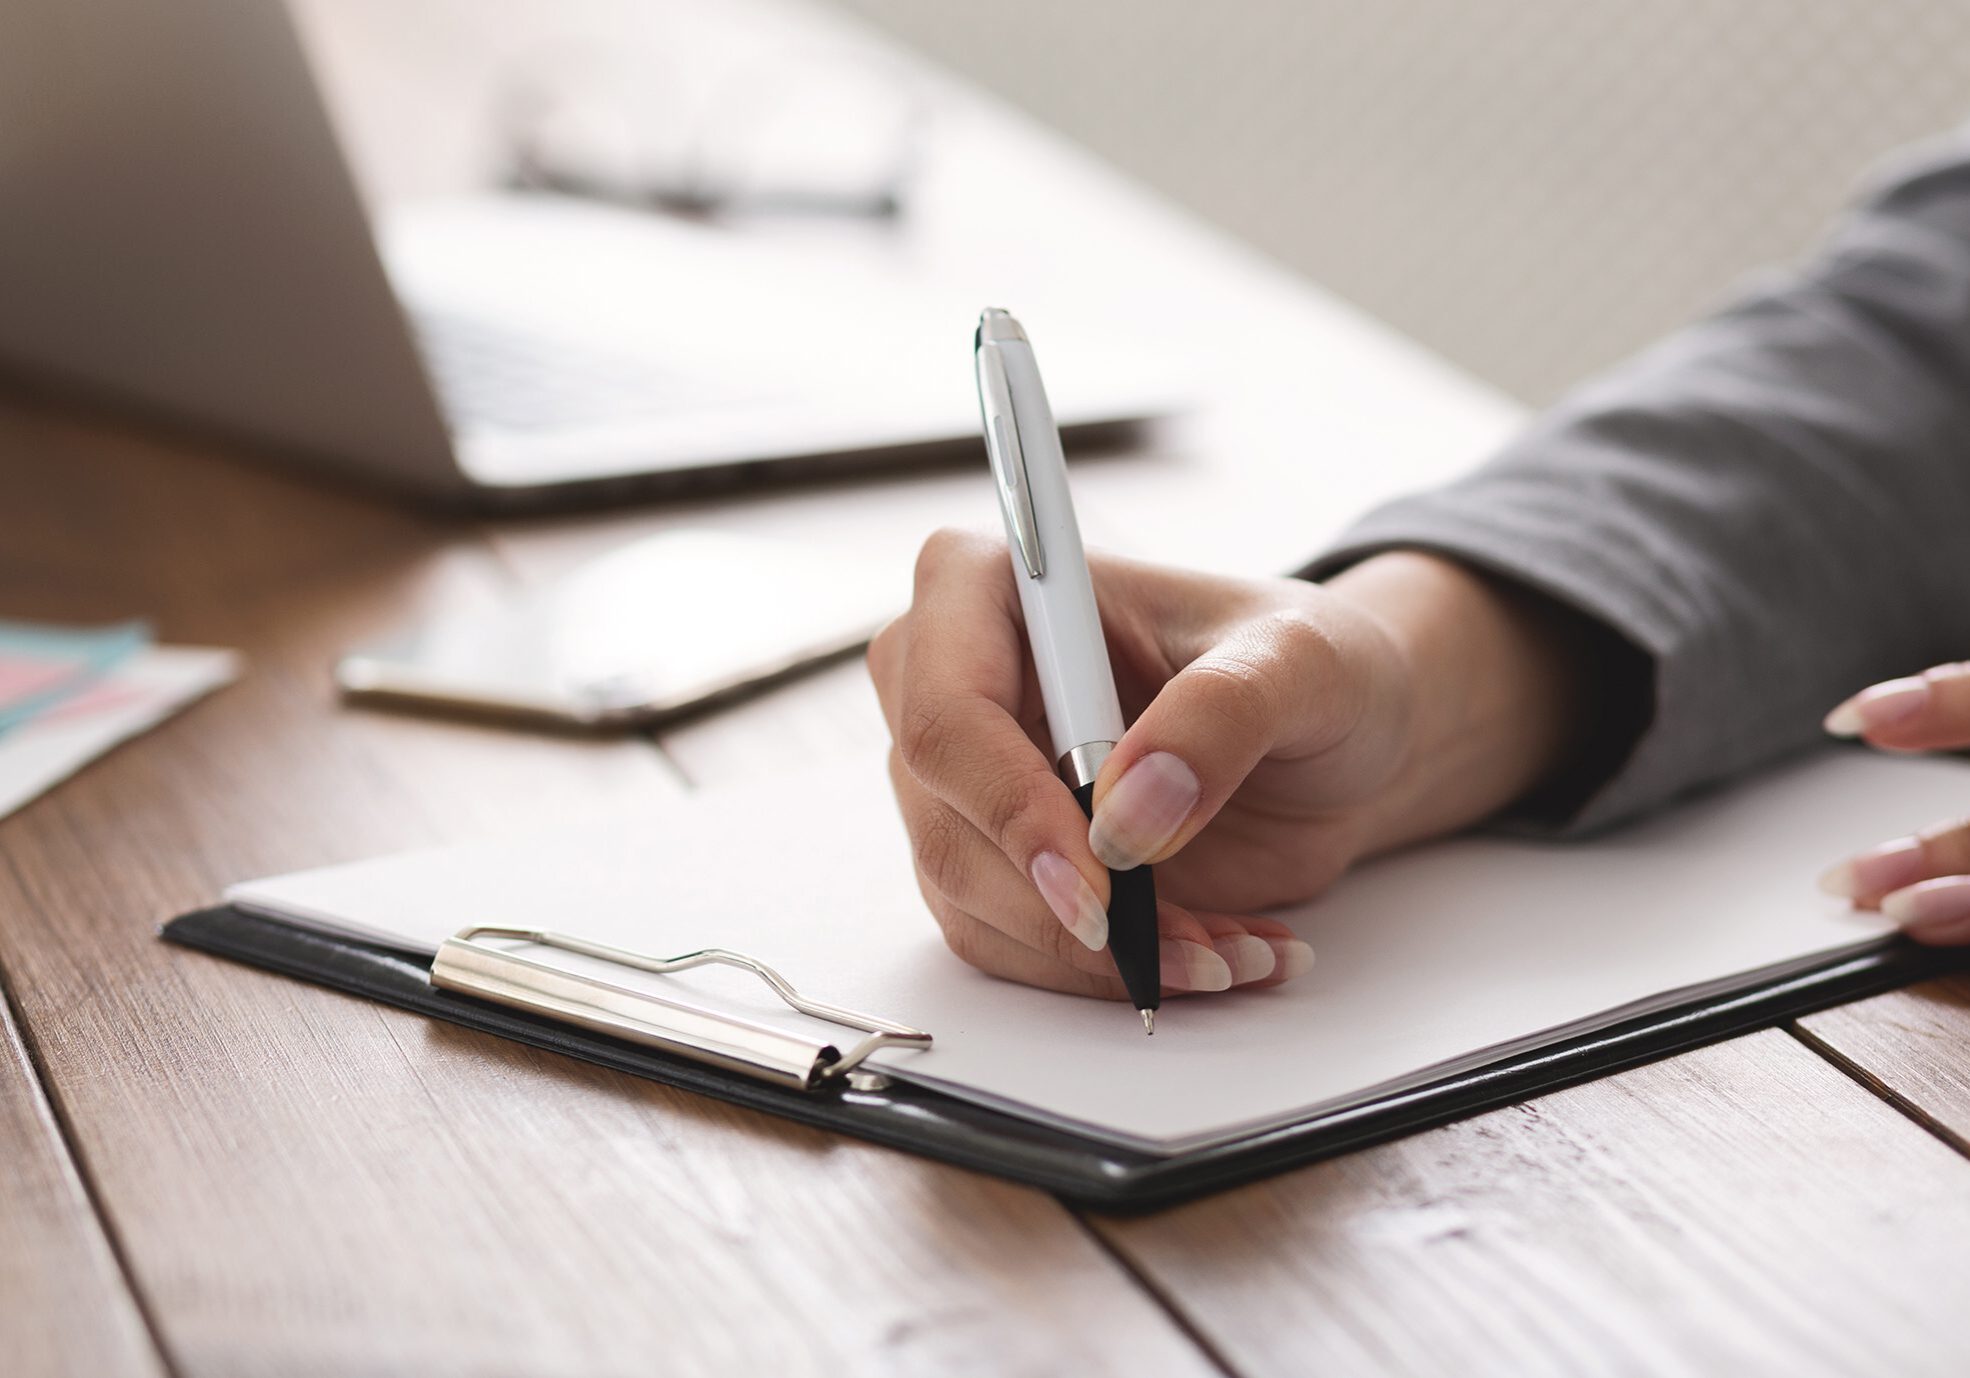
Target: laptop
179	230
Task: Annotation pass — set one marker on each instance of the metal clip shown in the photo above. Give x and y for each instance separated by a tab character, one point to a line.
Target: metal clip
506	977
1002	445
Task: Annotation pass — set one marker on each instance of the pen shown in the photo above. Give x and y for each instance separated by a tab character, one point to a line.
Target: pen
1063	626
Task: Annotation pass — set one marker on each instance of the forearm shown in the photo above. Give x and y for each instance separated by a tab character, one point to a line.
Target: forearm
1770	508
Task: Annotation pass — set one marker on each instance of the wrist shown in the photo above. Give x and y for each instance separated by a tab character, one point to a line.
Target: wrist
1496	680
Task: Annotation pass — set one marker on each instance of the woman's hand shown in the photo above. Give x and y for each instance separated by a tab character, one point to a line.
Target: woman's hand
1920	882
1280	730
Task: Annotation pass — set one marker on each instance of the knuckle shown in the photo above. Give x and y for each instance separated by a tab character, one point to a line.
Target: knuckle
1300	639
882	646
921	734
939	545
1235	692
882	651
942	848
1006	809
951	547
1056	942
1277	663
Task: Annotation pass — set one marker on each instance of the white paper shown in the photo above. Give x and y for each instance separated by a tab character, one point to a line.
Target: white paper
1437	958
133	698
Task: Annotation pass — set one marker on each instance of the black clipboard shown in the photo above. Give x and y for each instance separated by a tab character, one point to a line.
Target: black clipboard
1081	1171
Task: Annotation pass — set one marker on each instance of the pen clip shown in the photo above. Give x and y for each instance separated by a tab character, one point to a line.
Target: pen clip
1008	457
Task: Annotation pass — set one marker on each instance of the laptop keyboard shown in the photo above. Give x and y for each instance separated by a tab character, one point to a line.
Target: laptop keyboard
493	377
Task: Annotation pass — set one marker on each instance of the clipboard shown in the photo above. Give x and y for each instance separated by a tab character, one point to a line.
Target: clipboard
477	986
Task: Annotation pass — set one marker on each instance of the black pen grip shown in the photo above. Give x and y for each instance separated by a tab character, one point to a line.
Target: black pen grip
1133	940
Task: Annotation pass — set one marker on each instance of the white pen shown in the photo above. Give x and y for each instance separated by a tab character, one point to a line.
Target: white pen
1063	625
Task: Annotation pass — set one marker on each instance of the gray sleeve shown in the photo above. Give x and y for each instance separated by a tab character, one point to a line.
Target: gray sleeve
1772	507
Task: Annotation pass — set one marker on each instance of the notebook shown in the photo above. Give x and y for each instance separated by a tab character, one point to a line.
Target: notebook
1431	966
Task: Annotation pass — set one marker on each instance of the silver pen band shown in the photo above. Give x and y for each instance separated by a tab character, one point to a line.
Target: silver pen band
1080	765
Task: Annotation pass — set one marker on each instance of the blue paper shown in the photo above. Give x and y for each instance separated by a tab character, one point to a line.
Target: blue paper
42	667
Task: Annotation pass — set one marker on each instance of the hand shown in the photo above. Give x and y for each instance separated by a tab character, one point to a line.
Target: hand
1920	882
1281	729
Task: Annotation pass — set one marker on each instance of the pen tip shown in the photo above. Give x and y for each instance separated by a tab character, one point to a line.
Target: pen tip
1149	1022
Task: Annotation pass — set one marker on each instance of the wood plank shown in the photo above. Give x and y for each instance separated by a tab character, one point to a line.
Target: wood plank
1741	1208
67	1308
1912	1046
305	1183
1701	1214
1626	1242
301	1181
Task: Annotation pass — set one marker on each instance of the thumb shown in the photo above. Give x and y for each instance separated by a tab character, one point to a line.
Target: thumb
1280	685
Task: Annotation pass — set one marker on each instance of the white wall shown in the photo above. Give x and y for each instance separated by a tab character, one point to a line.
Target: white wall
1533	187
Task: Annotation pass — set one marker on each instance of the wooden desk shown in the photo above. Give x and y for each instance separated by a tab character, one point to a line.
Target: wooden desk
212	1170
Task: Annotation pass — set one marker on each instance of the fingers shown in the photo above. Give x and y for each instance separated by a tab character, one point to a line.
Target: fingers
966	869
1922	883
1000	845
950	680
1935	911
993	920
1280	685
1189	968
1261	952
1925	712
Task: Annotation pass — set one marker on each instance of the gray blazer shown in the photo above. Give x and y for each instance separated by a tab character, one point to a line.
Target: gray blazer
1771	508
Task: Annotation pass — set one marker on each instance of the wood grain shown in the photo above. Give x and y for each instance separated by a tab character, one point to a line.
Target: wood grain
1912	1046
306	1183
1740	1209
1743	1208
66	1308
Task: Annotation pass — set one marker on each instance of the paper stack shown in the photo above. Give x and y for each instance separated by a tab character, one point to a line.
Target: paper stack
68	694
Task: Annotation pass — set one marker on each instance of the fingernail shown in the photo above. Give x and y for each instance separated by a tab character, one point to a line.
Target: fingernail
1071	899
1249	958
1935	910
1878	706
1192	966
1143	812
1887	867
1291	958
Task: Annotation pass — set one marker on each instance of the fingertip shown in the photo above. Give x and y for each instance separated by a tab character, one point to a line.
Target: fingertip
1293	959
1839	882
1250	959
1233	937
1932	911
1869	875
1081	911
1908	714
1193	967
1175	923
1844	721
1141	812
